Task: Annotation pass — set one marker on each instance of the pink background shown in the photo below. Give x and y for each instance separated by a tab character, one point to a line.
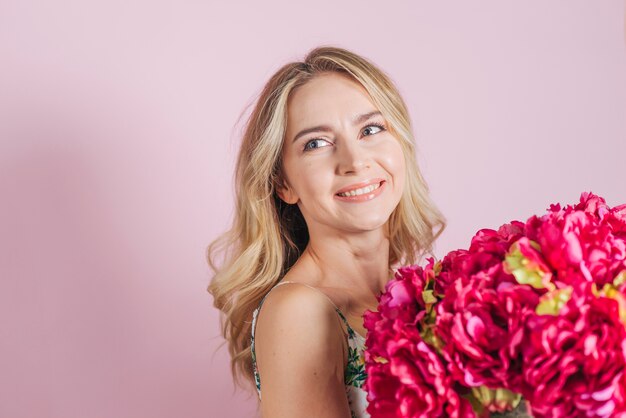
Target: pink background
119	130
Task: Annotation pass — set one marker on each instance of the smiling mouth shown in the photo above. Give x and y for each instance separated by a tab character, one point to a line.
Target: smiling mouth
362	190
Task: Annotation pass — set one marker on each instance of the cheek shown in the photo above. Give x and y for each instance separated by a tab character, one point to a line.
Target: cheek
394	161
395	165
311	178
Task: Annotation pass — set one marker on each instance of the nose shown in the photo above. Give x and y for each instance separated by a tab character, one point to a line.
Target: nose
351	157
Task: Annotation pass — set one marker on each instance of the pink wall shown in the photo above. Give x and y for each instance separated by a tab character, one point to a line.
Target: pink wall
117	142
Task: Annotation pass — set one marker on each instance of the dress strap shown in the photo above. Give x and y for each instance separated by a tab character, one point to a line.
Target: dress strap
268	293
315	288
343	318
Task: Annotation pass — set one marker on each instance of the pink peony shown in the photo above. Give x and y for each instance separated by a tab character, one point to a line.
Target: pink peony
574	361
406	377
482	328
410	380
593	205
404	296
616	220
580	241
487	249
534	310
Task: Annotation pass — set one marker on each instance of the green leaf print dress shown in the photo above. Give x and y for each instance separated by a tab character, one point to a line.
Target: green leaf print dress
354	375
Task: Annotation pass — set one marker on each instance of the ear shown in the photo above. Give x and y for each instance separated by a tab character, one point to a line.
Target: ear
286	193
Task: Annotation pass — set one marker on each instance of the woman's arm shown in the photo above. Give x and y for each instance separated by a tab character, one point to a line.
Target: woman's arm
299	346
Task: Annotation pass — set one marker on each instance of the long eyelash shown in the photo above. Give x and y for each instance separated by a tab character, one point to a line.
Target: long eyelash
378	125
305	149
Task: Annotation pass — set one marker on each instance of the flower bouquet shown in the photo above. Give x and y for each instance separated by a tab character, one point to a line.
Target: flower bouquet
529	321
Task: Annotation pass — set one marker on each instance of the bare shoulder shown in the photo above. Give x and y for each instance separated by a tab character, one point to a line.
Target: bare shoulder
295	309
299	347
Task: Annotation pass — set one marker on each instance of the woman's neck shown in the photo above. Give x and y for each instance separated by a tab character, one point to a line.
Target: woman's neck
357	265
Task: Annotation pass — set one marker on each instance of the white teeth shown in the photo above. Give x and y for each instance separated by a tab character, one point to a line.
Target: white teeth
357	192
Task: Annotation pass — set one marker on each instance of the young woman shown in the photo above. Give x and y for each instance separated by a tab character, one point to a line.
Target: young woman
329	200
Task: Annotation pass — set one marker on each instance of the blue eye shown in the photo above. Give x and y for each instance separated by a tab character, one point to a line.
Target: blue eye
308	147
379	126
313	141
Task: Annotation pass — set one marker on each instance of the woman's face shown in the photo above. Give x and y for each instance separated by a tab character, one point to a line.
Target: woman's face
344	172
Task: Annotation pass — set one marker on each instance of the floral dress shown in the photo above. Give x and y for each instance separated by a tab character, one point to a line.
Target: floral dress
354	375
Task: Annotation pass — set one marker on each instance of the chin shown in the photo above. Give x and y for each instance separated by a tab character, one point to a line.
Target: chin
370	225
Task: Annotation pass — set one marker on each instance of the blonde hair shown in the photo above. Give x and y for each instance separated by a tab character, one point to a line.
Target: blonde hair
268	235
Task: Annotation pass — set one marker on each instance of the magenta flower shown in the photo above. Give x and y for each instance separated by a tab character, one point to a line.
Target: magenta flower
409	379
616	219
575	361
482	328
404	296
533	311
578	241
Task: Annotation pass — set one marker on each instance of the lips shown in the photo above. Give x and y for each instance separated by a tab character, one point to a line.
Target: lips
360	185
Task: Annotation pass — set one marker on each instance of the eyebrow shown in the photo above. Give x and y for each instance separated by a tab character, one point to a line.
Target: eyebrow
325	128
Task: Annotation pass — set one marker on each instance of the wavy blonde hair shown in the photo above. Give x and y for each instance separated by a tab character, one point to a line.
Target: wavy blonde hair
268	235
